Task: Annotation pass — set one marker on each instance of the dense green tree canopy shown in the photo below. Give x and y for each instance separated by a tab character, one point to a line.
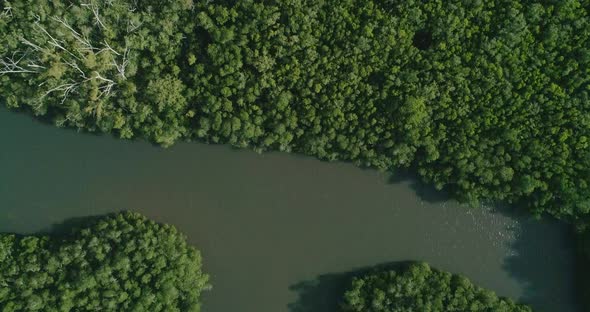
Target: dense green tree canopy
487	99
120	263
421	288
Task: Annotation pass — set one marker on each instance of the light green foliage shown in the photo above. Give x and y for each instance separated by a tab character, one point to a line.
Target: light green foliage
120	263
486	99
421	288
92	64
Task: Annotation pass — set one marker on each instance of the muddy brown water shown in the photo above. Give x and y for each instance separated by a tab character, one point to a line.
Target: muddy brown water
278	232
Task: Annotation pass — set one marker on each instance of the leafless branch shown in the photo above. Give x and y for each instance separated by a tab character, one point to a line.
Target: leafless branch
106	89
108	47
123	65
32	60
54	42
131	27
12	65
6	12
32	45
75	66
32	64
99	77
67	88
96	13
82	39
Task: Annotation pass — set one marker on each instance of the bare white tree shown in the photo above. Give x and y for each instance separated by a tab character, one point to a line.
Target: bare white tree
34	46
75	66
55	42
45	42
95	10
12	65
66	88
122	65
82	39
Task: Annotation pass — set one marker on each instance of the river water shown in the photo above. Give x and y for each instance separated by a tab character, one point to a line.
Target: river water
278	232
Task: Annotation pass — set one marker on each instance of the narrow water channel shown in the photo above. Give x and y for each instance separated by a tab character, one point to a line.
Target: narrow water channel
276	230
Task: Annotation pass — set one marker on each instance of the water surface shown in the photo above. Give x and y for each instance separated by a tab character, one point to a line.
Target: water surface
276	230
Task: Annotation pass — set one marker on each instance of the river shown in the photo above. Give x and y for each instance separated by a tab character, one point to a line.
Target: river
278	232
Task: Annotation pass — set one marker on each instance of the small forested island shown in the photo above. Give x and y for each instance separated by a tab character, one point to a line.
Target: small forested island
122	262
421	288
125	262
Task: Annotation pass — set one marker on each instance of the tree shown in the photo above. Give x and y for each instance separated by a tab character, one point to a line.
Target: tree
118	263
421	288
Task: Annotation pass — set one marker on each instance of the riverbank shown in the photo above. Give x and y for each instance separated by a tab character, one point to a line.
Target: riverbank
268	223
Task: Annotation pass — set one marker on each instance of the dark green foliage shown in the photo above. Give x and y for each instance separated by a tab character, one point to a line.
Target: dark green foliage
420	288
121	263
98	65
487	99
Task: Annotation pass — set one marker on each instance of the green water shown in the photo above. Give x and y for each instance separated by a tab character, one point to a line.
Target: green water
278	232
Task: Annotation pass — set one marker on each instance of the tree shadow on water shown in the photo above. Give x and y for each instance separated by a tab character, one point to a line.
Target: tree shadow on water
64	230
325	293
541	255
70	226
541	260
424	191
